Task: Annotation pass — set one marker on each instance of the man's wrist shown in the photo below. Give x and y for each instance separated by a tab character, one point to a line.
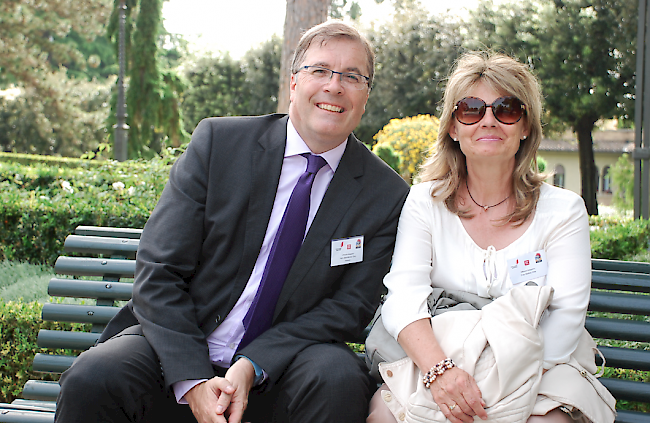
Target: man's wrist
260	375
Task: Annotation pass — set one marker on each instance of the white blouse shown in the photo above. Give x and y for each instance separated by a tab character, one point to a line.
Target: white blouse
434	249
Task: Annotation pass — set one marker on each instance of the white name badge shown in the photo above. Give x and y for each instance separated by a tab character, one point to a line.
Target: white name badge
527	267
347	251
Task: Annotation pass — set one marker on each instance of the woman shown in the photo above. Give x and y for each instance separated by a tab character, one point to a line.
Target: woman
481	211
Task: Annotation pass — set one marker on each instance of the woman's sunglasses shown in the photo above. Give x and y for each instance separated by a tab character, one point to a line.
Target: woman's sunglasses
507	110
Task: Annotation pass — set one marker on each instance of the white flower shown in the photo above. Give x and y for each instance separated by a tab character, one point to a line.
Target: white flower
118	186
67	187
130	191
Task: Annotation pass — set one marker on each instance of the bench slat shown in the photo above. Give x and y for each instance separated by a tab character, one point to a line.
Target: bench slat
627	389
101	245
109	232
83	266
41	390
49	405
50	363
619	329
66	339
625	416
78	313
616	302
624	358
621	281
78	288
620	266
10	413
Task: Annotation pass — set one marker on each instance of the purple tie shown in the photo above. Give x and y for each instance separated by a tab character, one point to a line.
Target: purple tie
283	252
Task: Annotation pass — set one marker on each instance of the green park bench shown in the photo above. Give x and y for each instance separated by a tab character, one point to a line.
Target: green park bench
108	253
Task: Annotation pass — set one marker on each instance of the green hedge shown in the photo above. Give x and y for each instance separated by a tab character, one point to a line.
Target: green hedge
36	159
19	326
619	239
41	204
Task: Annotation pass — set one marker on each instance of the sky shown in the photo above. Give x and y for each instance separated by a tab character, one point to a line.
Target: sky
236	26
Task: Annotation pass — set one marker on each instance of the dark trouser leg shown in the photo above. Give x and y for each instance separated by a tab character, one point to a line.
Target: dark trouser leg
325	383
119	380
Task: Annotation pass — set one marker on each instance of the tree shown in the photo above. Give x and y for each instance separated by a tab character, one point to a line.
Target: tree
414	53
51	116
623	180
409	139
223	86
215	88
586	73
261	66
301	15
153	93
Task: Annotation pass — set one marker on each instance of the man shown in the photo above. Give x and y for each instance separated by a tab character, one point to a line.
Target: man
212	243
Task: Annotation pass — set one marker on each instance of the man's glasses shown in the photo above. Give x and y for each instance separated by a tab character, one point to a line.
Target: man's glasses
348	79
507	110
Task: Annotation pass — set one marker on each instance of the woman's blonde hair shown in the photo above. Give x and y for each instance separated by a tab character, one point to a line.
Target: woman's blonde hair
446	162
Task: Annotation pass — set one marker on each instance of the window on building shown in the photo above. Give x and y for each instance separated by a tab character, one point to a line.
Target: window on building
607	180
596	178
558	176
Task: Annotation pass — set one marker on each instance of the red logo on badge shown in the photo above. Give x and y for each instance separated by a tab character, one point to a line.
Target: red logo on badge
526	262
349	246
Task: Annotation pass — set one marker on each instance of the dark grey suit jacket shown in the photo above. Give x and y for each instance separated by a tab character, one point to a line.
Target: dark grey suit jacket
201	242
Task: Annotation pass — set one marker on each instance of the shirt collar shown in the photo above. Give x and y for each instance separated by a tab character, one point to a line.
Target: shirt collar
296	145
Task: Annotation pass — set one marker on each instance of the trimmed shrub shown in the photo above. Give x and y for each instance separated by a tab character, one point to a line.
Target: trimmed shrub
41	204
619	239
409	139
19	326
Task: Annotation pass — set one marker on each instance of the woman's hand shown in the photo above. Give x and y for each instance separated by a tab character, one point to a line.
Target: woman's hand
458	396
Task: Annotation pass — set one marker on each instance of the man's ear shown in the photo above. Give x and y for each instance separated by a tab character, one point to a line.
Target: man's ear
292	86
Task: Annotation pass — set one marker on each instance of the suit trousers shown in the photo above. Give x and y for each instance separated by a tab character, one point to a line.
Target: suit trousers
121	380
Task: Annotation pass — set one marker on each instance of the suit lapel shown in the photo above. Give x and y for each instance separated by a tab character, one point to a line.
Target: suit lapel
266	165
341	193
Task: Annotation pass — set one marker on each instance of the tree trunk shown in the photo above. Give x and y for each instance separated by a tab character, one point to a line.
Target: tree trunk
301	15
583	128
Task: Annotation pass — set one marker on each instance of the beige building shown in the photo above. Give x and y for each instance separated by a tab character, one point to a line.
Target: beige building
562	158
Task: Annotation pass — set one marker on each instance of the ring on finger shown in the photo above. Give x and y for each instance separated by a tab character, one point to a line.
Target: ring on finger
452	406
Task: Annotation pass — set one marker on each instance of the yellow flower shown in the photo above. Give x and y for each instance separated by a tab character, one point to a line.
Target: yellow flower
410	139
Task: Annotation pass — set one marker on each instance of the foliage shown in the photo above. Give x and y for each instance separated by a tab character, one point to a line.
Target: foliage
413	55
99	60
621	241
41	205
31	123
542	164
53	111
410	138
623	181
223	86
24	281
19	326
261	67
35	159
153	93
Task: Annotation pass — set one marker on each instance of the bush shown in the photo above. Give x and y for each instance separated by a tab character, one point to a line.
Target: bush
619	239
410	139
41	204
19	326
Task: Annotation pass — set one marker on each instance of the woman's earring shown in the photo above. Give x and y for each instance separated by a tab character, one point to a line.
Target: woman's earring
455	139
524	138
